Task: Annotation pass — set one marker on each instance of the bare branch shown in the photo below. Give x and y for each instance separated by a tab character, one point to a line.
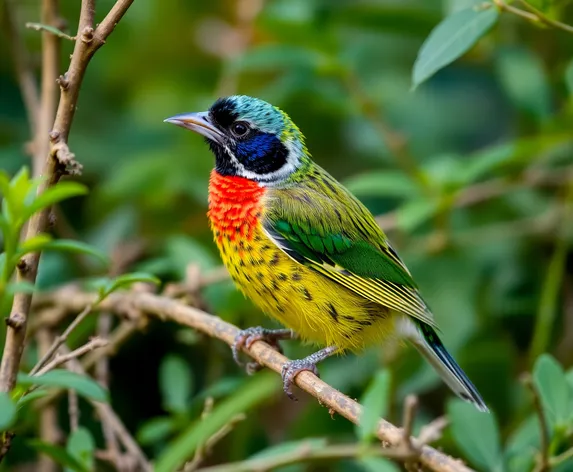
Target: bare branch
57	162
60	359
61	339
306	453
410	407
49	428
108	415
72	299
432	431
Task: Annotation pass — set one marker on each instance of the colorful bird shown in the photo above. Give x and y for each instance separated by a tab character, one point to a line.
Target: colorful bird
304	249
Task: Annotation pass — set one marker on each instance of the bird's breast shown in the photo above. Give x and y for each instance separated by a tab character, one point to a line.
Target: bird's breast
235	208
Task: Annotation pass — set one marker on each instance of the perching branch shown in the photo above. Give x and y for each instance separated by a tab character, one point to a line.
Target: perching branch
72	299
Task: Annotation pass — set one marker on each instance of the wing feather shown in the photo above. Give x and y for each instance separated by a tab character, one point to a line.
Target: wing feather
327	229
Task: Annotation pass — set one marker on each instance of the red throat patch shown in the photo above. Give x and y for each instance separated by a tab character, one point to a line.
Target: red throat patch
234	206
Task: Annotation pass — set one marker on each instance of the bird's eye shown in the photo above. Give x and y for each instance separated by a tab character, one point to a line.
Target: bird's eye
240	128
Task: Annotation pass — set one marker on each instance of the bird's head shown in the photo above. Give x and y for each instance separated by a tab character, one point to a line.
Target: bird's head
250	138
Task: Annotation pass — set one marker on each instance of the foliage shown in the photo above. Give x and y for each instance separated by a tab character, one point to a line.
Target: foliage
450	119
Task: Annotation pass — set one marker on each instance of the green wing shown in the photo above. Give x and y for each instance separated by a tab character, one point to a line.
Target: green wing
321	225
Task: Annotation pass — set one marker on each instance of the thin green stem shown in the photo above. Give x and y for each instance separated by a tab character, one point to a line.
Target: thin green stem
546	20
533	15
552	285
555	461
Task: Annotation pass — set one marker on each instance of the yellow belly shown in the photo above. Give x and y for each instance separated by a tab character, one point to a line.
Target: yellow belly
317	309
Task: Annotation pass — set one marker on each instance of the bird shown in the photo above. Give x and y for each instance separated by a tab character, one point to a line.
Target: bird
304	249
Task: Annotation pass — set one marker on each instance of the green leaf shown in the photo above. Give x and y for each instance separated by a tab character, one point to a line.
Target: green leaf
454	36
20	287
59	455
377	464
33	244
126	280
175	383
156	430
57	193
7	411
255	391
375	400
79	247
525	80
477	434
5	227
30	397
61	378
522	445
81	446
554	390
15	194
386	183
51	29
416	212
312	444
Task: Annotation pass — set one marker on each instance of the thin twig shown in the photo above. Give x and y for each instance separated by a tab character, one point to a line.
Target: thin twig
61	339
516	11
306	453
107	414
556	460
493	188
432	431
395	141
543	464
410	450
123	256
410	407
22	63
534	15
49	428
73	410
73	299
60	359
204	449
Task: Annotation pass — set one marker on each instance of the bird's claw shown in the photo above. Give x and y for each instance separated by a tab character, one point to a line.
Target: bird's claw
291	369
247	337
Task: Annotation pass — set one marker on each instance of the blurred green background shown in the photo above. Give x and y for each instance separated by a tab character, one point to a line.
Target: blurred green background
473	168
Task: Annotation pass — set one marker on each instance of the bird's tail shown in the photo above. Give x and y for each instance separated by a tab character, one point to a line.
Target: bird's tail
433	350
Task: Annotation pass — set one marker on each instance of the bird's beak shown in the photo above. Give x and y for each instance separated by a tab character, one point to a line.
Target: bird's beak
200	123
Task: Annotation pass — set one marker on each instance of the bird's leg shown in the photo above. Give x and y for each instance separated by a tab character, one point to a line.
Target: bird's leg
247	337
292	368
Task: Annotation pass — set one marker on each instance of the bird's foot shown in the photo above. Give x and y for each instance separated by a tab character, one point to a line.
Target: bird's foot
247	337
292	368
